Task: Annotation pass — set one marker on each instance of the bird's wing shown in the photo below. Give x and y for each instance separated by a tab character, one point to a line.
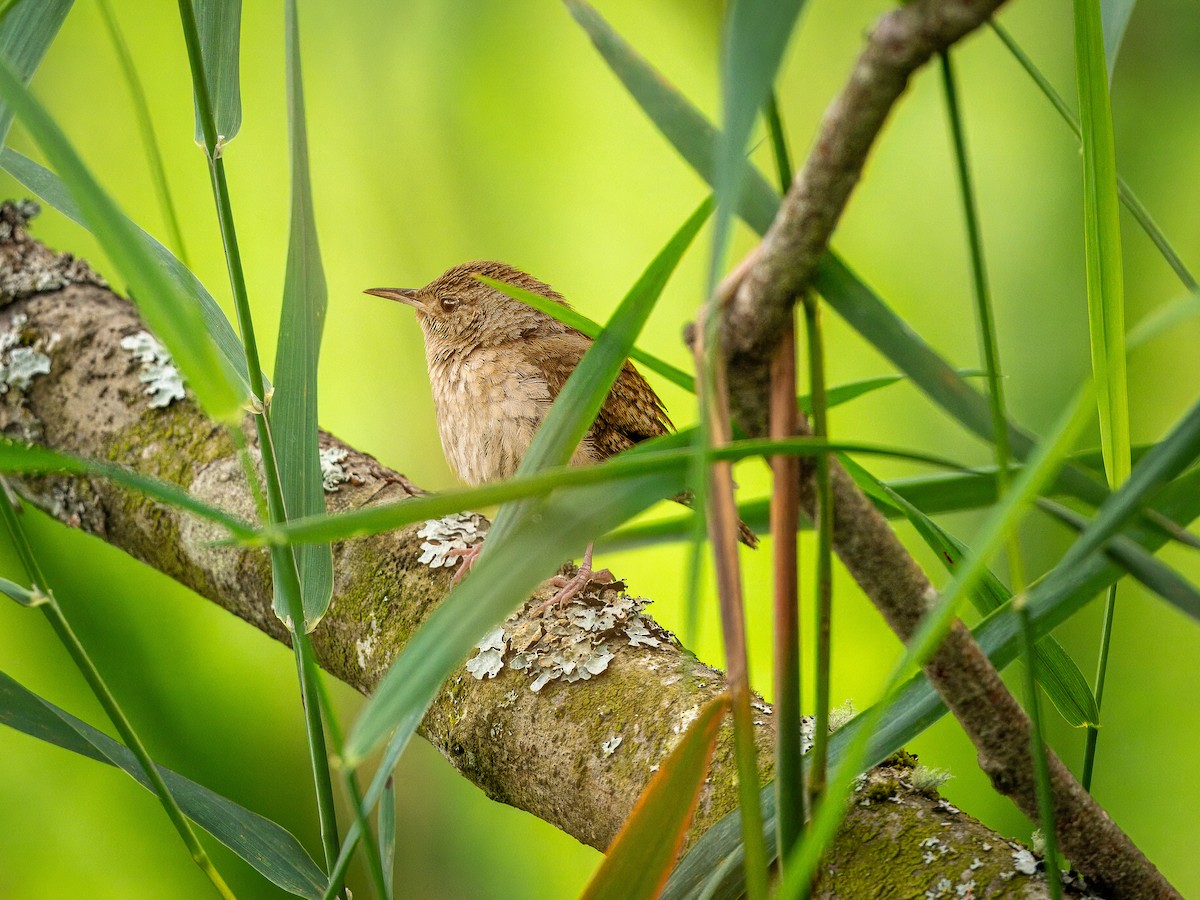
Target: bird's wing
632	411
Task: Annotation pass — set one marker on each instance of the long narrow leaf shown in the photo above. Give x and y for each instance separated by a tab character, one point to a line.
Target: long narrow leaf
167	309
520	551
293	409
660	456
26	33
1115	15
1102	241
267	847
1138	562
1052	600
641	855
31	458
592	329
1057	672
694	137
1128	197
220	25
51	189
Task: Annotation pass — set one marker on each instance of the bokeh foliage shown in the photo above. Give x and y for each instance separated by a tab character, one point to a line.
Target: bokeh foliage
440	133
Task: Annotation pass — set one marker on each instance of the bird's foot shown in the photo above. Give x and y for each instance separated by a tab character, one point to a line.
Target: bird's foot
468	555
569	588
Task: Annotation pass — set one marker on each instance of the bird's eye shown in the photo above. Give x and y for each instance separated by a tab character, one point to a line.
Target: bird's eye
449	304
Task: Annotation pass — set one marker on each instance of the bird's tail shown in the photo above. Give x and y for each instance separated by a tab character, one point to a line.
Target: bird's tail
744	535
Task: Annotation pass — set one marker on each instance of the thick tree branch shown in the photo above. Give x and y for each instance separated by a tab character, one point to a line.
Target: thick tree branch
543	752
757	301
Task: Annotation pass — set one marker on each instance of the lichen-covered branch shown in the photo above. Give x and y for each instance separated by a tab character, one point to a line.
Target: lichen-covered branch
576	754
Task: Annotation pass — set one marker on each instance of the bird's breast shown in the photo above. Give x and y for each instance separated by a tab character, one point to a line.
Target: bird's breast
489	404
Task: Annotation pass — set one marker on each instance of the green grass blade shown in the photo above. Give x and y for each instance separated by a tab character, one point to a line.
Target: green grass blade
51	189
1052	600
1162	463
1162	319
293	408
1138	562
516	544
985	315
1061	678
145	120
271	850
640	857
387	838
1102	241
16	457
663	456
694	137
755	35
378	788
1115	16
1128	197
935	493
219	23
505	574
167	309
592	329
26	32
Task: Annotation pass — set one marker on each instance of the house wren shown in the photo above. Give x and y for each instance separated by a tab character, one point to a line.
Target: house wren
496	365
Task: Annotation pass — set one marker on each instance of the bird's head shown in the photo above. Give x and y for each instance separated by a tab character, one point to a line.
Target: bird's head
458	312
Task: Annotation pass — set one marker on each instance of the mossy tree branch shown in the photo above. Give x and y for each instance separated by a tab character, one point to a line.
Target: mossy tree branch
542	752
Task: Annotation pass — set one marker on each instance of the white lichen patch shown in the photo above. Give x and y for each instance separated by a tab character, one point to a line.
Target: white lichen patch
163	381
447	537
22	359
570	644
840	715
364	647
488	662
927	780
609	747
332	473
1024	862
686	718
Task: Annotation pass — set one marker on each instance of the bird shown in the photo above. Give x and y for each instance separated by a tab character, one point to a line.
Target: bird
495	367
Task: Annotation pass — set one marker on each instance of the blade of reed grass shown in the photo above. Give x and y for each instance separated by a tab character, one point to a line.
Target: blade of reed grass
1128	197
1115	16
640	858
266	846
664	455
293	409
755	34
219	23
166	308
26	32
52	190
16	457
141	109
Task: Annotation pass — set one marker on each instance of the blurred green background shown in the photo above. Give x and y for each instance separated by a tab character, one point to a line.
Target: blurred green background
443	132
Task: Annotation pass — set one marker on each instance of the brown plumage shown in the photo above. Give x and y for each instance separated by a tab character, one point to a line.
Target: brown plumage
496	365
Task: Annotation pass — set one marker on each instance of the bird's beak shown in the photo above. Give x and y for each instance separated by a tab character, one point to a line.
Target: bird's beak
407	296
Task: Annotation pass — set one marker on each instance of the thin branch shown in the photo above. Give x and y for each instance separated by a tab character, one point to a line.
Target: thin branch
758	297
